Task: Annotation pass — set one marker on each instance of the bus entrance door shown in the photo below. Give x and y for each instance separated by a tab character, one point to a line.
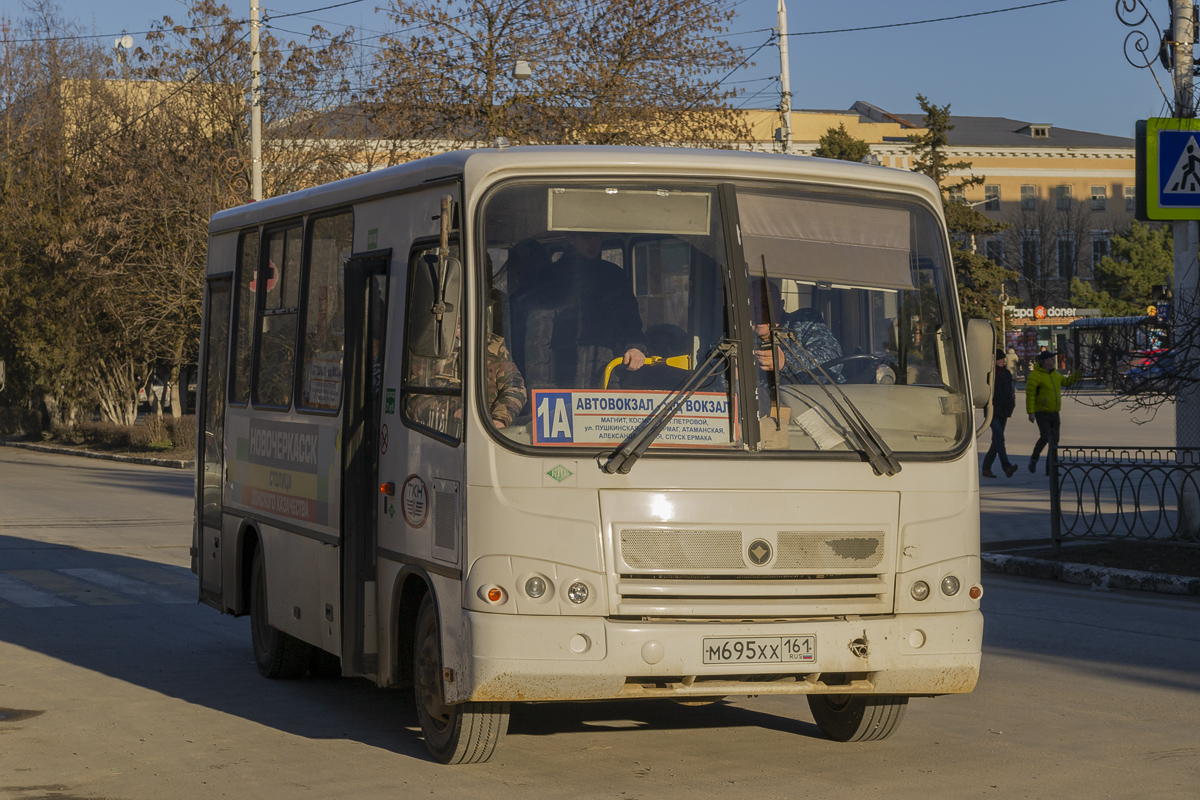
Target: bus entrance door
210	480
366	323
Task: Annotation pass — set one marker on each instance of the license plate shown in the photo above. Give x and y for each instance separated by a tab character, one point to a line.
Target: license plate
761	650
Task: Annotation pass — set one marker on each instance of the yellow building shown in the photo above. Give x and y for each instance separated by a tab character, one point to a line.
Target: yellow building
1063	192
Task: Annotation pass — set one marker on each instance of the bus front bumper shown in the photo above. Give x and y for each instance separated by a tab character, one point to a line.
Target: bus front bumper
544	658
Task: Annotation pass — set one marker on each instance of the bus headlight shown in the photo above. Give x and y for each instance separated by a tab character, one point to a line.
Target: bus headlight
535	587
920	590
578	592
950	586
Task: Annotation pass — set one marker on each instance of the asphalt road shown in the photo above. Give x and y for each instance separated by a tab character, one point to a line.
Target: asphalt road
115	684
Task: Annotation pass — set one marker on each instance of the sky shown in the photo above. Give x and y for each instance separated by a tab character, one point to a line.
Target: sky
1060	63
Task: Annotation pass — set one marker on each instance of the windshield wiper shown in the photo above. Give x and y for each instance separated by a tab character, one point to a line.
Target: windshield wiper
882	459
625	456
772	342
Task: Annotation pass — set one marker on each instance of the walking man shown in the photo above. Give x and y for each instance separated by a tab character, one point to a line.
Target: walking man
1043	401
1004	402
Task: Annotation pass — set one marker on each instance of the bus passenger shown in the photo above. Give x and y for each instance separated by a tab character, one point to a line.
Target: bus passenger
581	318
505	391
814	337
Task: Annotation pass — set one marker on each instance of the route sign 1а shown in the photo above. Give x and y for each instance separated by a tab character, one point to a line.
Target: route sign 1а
1168	169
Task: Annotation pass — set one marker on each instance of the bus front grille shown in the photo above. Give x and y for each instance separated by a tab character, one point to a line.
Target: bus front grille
725	551
753	596
752	574
682	549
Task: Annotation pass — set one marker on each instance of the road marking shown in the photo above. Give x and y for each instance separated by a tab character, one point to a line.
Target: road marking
68	587
26	596
126	585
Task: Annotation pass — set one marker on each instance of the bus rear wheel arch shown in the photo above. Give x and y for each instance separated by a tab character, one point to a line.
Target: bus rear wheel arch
463	733
857	717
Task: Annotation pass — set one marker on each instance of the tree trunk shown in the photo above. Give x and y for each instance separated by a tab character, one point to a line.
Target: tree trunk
178	382
53	410
116	391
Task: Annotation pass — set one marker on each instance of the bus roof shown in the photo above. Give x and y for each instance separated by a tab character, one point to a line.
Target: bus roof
480	166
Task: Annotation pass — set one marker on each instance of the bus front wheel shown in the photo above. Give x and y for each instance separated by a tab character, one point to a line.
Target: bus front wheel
857	717
276	654
464	733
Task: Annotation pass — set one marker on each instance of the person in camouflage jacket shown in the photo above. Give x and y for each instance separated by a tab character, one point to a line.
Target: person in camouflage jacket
505	389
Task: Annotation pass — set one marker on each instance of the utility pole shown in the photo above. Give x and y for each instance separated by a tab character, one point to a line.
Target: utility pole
1184	233
255	107
785	81
1187	419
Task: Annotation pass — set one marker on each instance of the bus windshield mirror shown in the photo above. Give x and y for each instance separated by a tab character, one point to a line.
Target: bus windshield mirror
445	312
625	456
436	286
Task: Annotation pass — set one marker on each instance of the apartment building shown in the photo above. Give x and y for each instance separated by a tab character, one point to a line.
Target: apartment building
1063	192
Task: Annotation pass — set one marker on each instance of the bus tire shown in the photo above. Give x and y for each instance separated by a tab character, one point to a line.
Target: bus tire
464	733
857	717
276	654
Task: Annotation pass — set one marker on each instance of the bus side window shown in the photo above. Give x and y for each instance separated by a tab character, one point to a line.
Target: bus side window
323	343
243	331
279	278
432	397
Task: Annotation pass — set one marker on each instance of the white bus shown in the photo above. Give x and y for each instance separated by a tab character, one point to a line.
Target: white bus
561	424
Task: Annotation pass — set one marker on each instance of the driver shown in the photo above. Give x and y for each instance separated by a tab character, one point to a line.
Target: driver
815	339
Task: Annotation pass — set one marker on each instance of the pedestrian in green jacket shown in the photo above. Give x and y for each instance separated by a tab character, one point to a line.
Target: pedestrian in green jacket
1043	401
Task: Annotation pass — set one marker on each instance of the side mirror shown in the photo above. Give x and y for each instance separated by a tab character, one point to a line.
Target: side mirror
981	360
436	304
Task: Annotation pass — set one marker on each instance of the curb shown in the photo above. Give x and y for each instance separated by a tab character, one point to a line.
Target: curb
169	463
1099	578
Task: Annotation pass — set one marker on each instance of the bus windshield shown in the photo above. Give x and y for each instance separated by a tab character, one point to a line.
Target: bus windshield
607	296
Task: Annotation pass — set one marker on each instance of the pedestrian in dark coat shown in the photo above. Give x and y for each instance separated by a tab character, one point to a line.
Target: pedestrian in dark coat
1004	402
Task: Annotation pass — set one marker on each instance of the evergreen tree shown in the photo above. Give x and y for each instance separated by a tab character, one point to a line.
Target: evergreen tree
837	143
1143	258
979	279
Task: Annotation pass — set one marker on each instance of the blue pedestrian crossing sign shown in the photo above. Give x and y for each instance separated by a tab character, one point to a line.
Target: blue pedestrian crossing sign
1169	169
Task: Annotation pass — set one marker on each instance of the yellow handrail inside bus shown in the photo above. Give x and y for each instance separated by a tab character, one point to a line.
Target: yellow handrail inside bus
679	362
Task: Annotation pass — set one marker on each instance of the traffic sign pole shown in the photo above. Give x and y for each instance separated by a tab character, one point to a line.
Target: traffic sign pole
1187	408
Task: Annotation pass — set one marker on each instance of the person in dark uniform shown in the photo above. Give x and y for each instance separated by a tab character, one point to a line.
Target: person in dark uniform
1004	402
583	316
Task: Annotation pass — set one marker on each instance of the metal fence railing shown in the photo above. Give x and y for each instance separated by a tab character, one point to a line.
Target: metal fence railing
1124	493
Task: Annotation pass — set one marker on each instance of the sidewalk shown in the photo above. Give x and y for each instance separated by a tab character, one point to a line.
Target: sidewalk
149	461
1017	509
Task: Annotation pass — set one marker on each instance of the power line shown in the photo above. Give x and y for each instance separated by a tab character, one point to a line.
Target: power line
183	85
312	10
238	22
927	21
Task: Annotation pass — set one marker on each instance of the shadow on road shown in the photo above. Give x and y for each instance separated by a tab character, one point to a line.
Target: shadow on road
171	645
555	718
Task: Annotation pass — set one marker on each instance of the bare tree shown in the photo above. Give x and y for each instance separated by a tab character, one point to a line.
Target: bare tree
43	335
605	72
181	151
1050	242
112	169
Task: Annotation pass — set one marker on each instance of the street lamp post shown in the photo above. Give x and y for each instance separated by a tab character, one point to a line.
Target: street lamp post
255	106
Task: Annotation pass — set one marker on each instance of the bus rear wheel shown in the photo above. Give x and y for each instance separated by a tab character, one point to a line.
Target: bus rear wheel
463	733
857	717
277	654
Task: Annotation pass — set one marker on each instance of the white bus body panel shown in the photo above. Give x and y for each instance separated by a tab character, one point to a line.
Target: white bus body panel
615	646
523	521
